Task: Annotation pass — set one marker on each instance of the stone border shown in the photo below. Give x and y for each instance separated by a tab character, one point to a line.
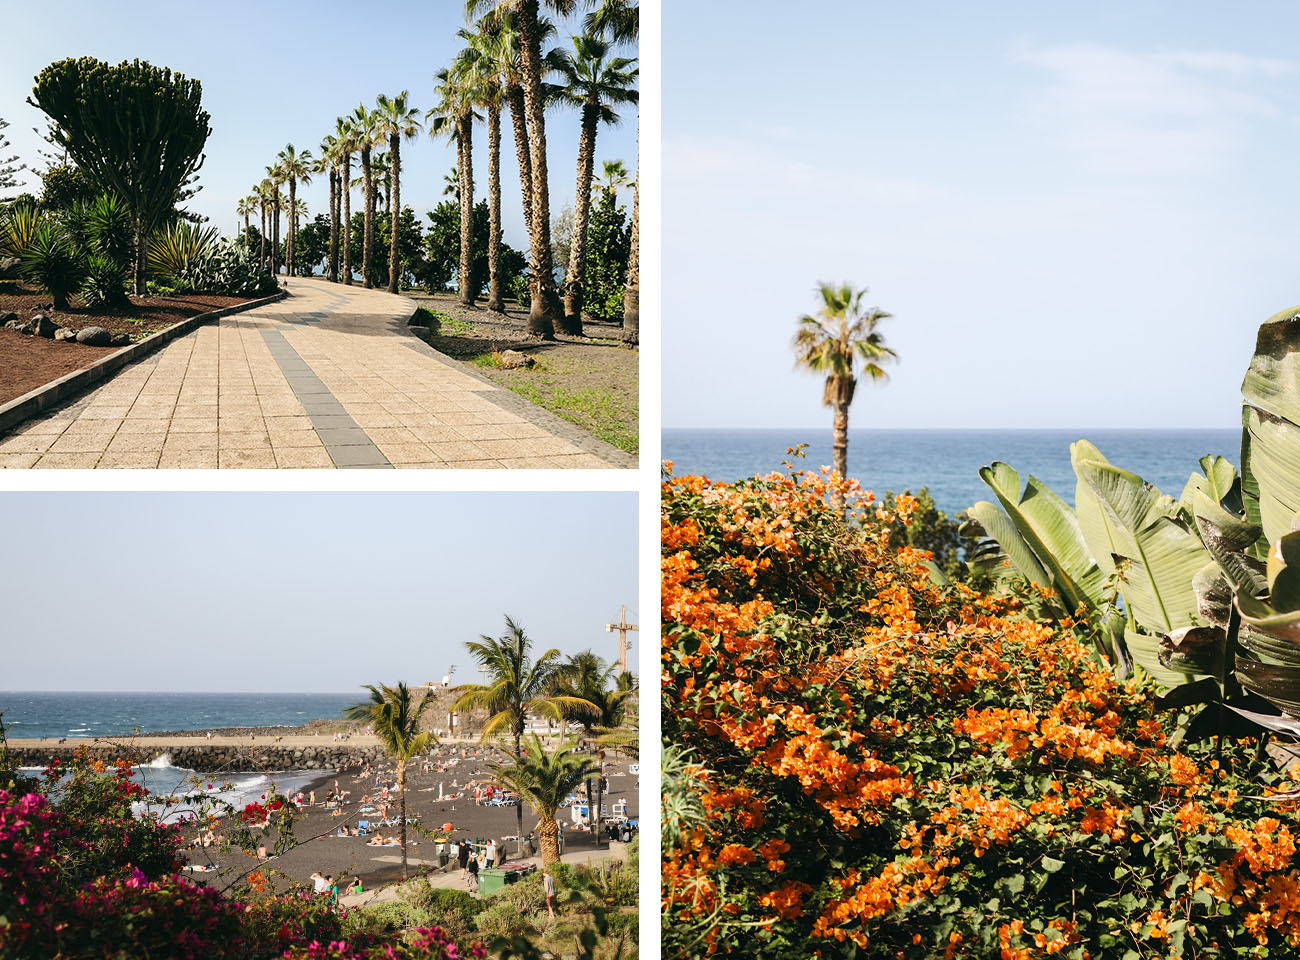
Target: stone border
69	385
512	402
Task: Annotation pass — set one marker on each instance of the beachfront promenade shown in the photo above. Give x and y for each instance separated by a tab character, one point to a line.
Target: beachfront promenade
330	376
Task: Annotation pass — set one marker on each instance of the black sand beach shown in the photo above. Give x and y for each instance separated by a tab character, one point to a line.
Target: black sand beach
345	857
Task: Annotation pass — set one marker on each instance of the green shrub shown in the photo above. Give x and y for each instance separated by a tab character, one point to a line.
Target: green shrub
105	283
385	919
619	923
501	919
103	226
52	260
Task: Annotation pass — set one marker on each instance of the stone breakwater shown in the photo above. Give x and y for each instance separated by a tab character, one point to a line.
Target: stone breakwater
210	758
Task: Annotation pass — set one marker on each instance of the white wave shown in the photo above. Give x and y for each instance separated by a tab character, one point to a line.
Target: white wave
160	762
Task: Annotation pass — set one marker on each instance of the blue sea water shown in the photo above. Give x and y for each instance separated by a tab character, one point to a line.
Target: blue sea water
948	461
63	714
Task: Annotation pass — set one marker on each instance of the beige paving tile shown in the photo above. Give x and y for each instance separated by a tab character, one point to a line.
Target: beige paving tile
293	438
464	450
188	460
28	443
436	434
190	441
12	461
243	440
406	452
259	458
301	457
55	425
474	465
439	465
81	443
67	461
135	425
391	435
195	411
527	463
137	443
194	425
129	460
241	424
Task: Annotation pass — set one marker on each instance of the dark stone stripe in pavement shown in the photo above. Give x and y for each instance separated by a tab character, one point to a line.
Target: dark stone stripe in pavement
349	446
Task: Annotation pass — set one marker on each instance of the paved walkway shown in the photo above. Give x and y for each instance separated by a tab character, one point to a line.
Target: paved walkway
328	377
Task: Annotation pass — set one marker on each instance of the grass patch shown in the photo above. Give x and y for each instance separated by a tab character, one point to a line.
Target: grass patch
598	412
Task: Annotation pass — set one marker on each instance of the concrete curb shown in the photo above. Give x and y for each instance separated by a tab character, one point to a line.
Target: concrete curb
69	385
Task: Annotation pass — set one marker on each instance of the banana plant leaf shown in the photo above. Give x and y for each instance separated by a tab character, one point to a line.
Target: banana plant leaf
1229	539
1218	480
1263	619
1144	648
1199	650
1000	528
1277	683
1157	556
1050	529
1271	448
1272	381
1213	595
1283	573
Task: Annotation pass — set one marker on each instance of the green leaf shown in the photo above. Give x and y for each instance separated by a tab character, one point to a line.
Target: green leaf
1051	864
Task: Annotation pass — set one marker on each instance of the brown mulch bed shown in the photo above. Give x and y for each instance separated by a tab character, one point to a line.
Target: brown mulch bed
28	362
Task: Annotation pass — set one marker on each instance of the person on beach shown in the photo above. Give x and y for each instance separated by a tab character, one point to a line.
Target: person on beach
356	886
332	889
472	876
317	882
464	858
548	885
491	860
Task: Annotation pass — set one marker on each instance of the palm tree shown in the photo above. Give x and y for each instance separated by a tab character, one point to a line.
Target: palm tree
482	57
363	124
396	723
263	192
396	121
593	83
614	175
545	780
632	286
379	172
295	167
245	209
587	677
328	165
346	134
519	686
616	20
841	342
276	175
619	22
453	117
451	185
544	308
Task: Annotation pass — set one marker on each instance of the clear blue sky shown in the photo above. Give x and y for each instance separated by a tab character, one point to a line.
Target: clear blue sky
1078	213
281	73
301	591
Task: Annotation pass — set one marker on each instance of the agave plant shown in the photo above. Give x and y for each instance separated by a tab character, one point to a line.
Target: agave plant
1202	592
180	247
53	260
105	282
18	228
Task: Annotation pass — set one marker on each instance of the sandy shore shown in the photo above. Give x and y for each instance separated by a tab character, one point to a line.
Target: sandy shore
350	856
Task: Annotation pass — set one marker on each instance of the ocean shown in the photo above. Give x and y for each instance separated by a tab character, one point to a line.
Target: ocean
56	714
948	461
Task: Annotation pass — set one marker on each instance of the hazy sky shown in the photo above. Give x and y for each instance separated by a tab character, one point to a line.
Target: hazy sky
301	591
1077	213
281	73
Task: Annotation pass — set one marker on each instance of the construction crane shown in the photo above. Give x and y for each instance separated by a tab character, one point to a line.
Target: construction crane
623	628
446	680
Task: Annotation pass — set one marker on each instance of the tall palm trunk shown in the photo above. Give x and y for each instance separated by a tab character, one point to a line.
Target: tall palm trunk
395	196
519	805
600	791
575	276
346	187
515	97
495	301
840	431
261	252
275	235
548	832
545	306
334	225
401	806
368	229
632	289
465	152
293	224
247	228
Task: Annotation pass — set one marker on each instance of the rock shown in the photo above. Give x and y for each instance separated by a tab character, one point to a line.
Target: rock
64	333
7	317
9	268
22	327
94	337
43	326
121	340
513	360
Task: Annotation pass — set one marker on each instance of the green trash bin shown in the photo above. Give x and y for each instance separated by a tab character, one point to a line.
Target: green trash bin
491	880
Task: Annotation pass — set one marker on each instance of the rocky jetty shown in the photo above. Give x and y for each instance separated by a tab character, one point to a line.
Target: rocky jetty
210	758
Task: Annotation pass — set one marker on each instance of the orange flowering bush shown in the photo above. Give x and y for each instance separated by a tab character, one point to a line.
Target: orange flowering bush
868	760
